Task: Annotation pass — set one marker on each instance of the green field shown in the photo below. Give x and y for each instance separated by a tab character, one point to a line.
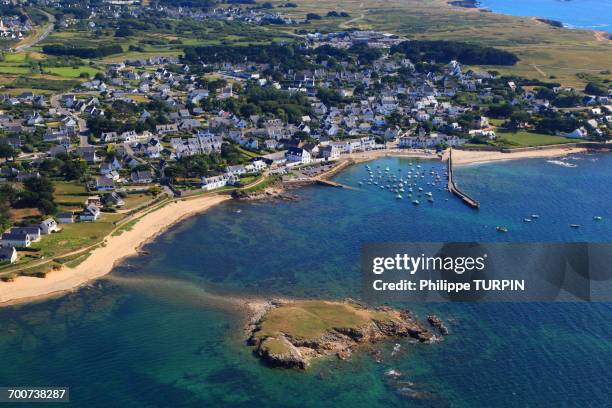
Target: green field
525	139
11	69
14	57
312	318
70	195
75	236
70	72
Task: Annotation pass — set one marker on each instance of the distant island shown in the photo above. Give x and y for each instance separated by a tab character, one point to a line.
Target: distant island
291	333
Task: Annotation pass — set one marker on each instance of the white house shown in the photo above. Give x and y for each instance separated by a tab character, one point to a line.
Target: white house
298	155
577	134
214	182
33	231
105	184
259	165
330	152
65	218
90	213
17	239
236	170
8	254
48	226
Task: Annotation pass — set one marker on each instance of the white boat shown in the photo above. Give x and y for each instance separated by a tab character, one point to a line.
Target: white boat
597	218
416	202
526	219
399	196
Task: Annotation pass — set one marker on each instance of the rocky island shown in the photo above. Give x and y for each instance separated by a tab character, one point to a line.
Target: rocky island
291	333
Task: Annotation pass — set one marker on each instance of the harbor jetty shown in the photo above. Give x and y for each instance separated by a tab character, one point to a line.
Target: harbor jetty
330	183
452	187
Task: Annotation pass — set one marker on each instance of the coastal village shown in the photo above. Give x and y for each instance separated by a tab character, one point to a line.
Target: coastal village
221	119
305	203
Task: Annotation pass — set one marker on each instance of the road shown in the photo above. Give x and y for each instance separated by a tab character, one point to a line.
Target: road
82	124
37	37
346	24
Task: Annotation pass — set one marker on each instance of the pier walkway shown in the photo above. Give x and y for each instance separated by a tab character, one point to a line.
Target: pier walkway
454	189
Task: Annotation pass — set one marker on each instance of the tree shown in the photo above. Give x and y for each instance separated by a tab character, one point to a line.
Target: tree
38	193
7	152
593	88
74	169
155	191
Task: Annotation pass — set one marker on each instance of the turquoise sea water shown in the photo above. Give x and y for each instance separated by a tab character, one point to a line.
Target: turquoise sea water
586	14
157	332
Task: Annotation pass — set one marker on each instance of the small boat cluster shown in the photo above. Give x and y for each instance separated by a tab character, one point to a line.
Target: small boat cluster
535	217
411	184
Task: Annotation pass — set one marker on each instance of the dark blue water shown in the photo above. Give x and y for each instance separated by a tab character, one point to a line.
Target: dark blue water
584	14
158	334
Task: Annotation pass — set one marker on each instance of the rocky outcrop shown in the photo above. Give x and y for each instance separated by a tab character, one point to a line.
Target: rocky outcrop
436	322
286	349
271	193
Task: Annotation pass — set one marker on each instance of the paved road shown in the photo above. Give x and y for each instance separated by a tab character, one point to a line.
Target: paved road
38	37
82	124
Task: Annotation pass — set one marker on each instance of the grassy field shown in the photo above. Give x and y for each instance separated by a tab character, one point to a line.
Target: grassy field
71	72
14	57
75	236
136	199
70	195
524	139
546	52
310	319
10	69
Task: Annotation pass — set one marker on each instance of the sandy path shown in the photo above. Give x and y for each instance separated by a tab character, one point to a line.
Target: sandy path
103	259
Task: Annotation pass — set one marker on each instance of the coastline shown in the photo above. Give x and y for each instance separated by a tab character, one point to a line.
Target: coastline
118	247
554	22
103	259
467	157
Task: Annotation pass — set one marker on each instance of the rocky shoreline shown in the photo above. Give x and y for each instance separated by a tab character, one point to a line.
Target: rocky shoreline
290	348
276	192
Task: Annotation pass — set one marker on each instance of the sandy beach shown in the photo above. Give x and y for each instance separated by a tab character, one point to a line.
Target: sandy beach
462	157
375	154
103	259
